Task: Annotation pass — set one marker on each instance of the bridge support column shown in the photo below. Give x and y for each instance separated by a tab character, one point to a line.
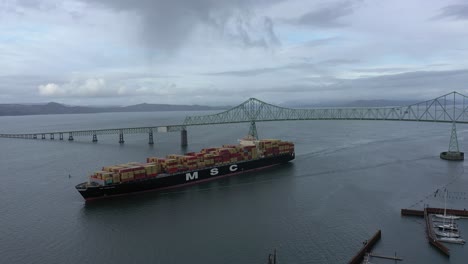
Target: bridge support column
121	138
94	137
183	138
52	136
43	136
61	136
150	135
453	152
253	130
34	136
70	137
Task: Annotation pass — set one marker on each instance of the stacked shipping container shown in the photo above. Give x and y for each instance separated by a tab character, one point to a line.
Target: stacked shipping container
208	157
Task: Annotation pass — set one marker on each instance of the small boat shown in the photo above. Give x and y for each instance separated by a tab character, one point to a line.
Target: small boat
453	240
449	227
447	234
446	216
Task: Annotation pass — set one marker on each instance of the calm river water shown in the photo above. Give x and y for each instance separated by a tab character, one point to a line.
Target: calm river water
349	179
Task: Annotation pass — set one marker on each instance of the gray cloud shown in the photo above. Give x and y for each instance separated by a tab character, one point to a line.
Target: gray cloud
414	86
380	70
327	16
321	42
270	31
292	66
457	12
418	85
259	71
29	3
167	25
245	73
335	62
44	5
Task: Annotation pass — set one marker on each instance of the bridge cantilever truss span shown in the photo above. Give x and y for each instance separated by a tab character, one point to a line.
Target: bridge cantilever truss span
451	107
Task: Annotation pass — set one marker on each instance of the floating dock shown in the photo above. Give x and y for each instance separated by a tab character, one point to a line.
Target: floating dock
386	257
358	258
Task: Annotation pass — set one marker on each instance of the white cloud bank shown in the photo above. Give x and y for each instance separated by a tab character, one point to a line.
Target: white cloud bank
87	88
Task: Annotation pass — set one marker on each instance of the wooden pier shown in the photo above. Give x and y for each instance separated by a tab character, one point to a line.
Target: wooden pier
369	244
431	210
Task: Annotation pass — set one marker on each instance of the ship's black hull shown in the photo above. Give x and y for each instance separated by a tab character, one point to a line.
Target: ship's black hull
181	179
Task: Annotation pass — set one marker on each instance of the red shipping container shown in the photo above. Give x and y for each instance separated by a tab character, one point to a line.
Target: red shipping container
172	170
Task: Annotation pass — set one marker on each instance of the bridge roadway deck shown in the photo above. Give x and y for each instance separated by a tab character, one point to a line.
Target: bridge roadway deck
176	128
109	131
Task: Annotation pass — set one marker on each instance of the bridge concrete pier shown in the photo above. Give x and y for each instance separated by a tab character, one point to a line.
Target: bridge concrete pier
34	136
453	156
121	138
183	138
253	130
453	153
61	136
95	138
52	136
150	137
43	136
70	137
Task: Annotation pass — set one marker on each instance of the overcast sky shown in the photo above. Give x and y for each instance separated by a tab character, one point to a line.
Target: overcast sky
88	52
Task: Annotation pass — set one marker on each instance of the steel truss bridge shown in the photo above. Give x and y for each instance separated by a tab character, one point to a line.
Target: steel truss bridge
448	108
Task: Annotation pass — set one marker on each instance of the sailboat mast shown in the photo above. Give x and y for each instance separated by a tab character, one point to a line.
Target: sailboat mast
445	203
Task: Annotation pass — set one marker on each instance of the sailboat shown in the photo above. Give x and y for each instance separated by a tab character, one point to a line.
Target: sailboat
449	231
449	236
446	226
454	240
445	216
452	227
446	233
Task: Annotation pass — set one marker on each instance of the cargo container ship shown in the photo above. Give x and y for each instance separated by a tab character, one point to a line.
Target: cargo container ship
179	170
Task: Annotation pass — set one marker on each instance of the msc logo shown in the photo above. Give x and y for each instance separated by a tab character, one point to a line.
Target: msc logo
213	172
189	176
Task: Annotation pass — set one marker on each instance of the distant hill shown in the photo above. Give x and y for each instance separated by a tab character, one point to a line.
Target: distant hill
56	108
